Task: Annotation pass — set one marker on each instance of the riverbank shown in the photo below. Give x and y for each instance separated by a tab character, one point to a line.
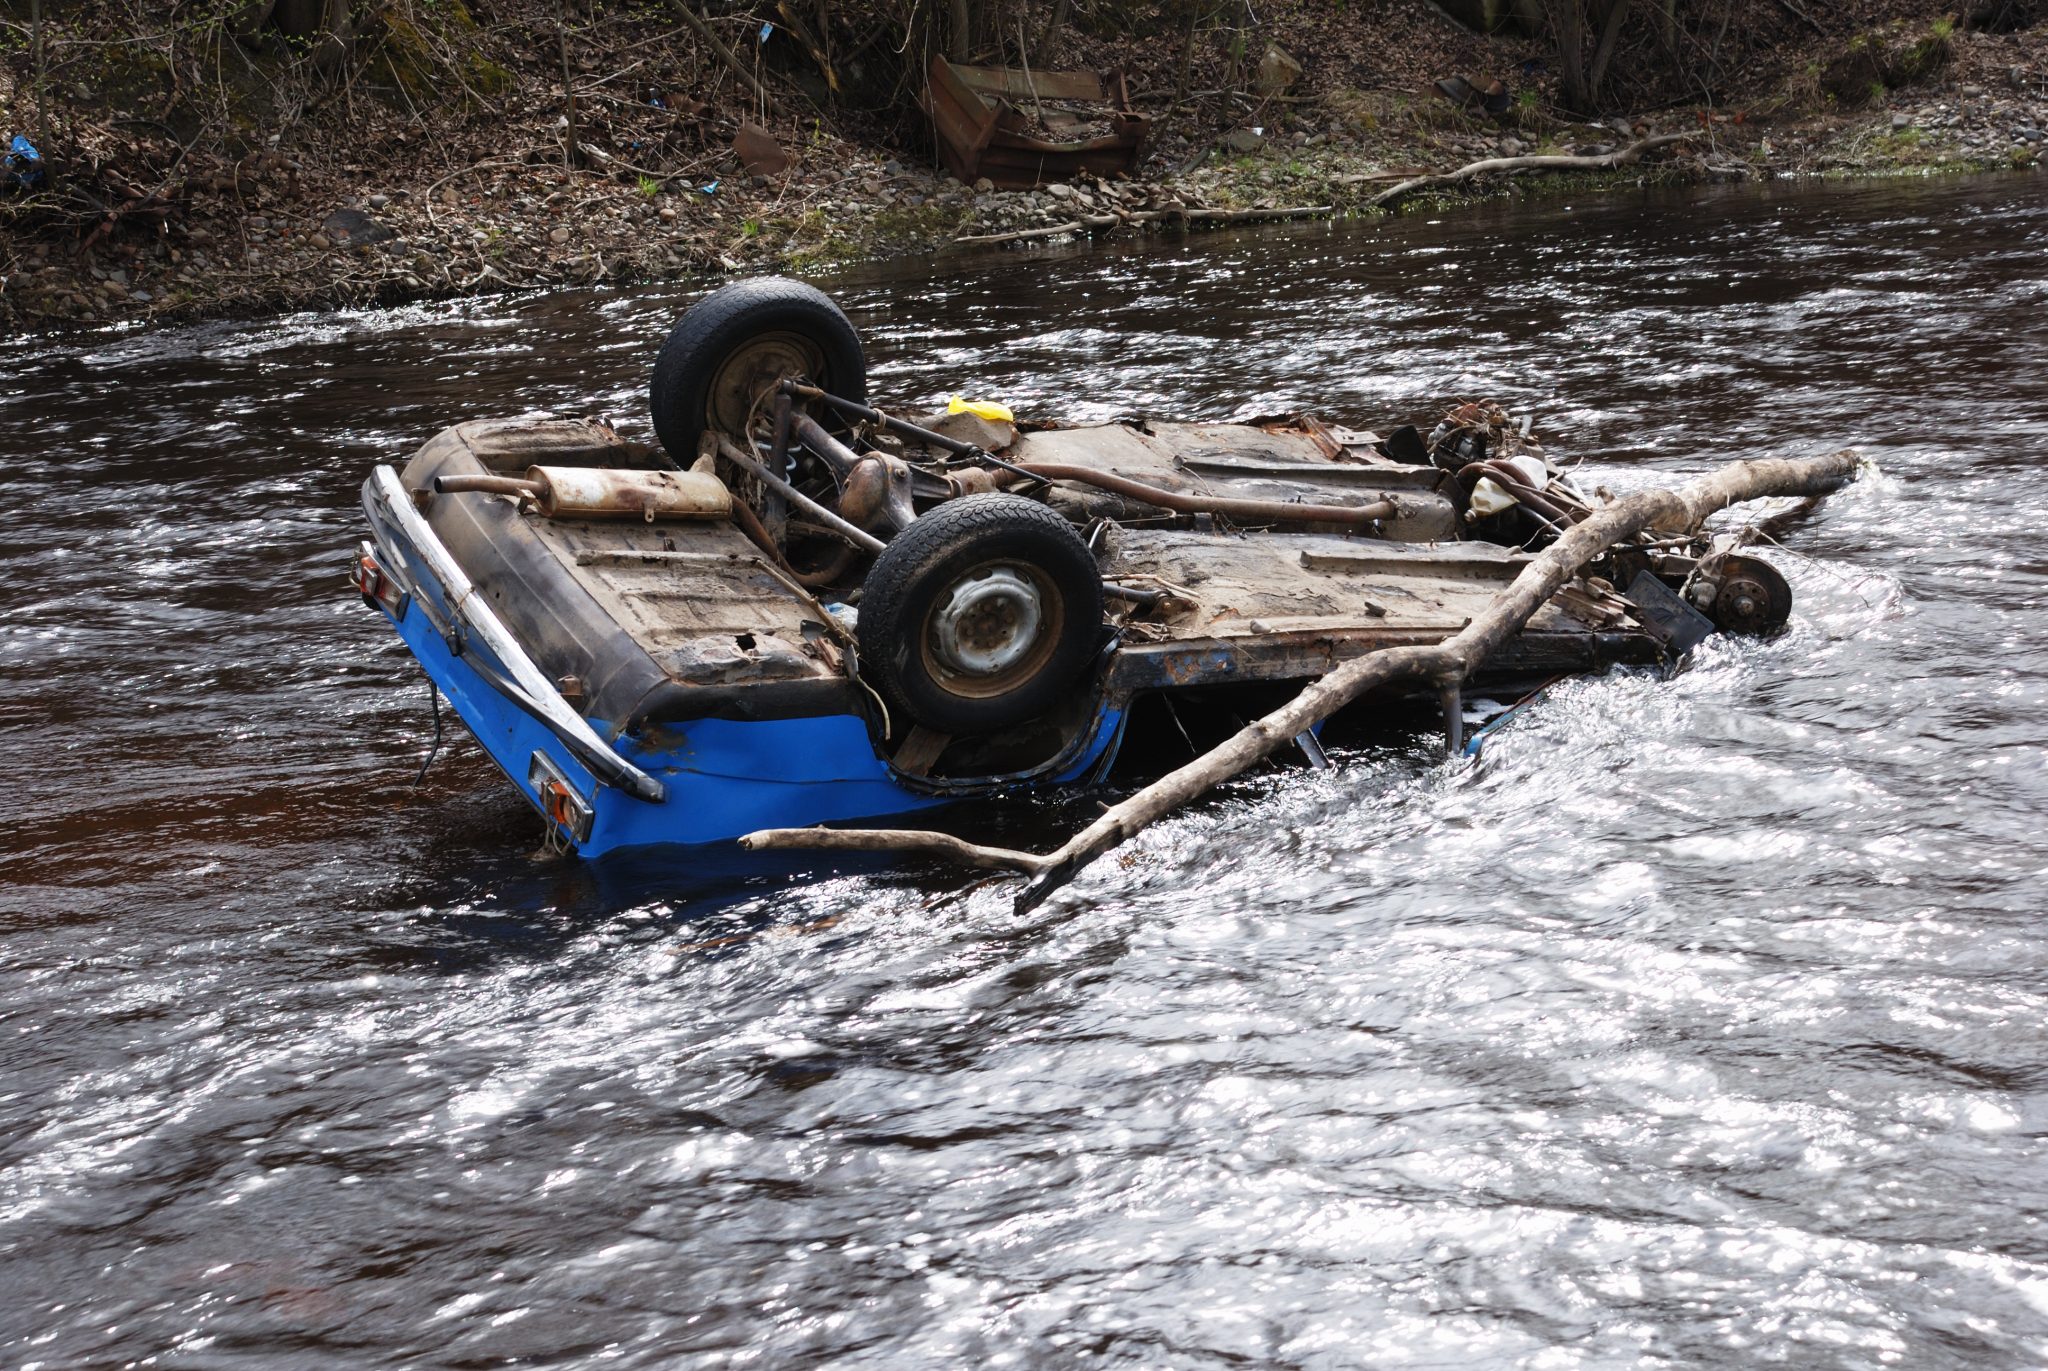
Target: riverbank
367	203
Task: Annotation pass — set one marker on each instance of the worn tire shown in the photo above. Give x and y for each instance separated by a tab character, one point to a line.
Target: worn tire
1010	561
708	363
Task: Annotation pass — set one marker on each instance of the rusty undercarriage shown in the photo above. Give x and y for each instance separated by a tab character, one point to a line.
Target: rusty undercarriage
800	608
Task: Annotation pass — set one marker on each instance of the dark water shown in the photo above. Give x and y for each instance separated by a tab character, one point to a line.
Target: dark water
1704	1024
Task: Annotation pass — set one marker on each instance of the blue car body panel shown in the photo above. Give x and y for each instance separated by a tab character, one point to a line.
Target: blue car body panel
724	778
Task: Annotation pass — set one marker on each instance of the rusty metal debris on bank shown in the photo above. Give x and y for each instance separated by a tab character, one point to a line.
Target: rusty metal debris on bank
1023	128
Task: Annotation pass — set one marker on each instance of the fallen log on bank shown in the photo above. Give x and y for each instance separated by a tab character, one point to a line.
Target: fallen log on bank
1149	216
1447	665
1490	166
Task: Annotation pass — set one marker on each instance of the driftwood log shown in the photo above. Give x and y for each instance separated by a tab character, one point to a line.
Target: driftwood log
1148	216
1445	666
1490	166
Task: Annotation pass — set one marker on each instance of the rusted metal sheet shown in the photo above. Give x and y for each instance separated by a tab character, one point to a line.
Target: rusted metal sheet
1027	129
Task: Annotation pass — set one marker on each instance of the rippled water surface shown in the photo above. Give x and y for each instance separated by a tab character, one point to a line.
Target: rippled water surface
1704	1023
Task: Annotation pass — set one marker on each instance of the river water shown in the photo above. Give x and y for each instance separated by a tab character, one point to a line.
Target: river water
1704	1023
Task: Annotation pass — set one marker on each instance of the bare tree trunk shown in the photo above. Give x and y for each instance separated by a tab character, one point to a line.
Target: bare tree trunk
40	61
960	37
1610	33
1445	666
1569	21
1053	26
1187	53
569	144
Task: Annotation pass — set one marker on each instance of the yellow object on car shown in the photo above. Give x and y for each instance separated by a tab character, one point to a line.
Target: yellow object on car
981	409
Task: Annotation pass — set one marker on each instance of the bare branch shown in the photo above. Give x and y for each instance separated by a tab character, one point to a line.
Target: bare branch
1446	664
1621	157
894	840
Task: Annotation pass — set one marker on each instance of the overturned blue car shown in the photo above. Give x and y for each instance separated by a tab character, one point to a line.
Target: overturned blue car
794	607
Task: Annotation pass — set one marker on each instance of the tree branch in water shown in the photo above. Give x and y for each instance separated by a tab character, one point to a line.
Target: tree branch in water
1447	664
1620	157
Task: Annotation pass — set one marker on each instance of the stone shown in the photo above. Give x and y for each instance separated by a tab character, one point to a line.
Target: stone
380	200
1902	120
667	214
558	234
892	167
1277	71
983	186
1060	191
759	153
321	241
354	228
1244	140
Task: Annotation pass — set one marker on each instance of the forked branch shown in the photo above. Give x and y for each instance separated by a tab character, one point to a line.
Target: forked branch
1490	166
1446	664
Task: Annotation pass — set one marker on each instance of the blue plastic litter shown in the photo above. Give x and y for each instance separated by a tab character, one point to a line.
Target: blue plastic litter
24	164
766	29
709	188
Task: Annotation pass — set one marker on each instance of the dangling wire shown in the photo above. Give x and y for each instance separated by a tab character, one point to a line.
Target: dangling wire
433	703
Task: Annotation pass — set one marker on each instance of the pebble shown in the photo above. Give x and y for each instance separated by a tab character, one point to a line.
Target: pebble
667	214
380	200
321	241
1902	120
558	234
